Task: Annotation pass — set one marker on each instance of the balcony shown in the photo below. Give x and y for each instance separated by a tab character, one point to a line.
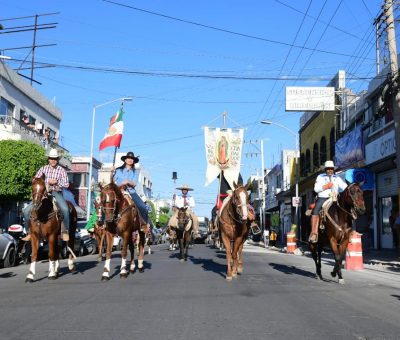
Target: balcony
13	129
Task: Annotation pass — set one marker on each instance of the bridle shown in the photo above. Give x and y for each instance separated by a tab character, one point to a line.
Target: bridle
348	193
110	196
238	206
39	195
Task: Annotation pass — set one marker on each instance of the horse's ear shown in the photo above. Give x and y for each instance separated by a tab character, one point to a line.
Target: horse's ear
347	182
235	185
361	183
100	186
43	177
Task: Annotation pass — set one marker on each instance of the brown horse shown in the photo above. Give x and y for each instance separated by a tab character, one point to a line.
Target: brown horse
234	225
173	241
45	223
99	228
184	232
337	226
121	218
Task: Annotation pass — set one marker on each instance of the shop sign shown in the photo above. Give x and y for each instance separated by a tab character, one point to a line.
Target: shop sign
304	98
380	148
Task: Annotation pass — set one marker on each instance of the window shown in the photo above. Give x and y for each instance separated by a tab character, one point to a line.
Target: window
322	150
308	161
315	156
6	108
302	165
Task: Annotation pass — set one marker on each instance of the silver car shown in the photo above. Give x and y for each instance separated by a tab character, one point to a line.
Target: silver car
8	253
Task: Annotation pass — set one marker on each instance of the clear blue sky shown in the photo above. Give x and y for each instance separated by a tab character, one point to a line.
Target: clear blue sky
163	124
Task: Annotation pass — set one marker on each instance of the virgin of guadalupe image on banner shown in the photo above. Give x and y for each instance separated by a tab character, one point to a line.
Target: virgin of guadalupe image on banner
223	153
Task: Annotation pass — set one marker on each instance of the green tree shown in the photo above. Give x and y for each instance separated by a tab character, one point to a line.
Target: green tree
19	161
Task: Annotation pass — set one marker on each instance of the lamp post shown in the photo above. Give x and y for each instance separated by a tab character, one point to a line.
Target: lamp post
296	135
88	203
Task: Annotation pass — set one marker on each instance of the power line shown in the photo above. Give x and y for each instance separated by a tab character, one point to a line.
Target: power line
224	30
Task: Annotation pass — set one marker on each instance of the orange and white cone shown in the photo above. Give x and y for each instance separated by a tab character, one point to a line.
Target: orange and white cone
354	257
291	242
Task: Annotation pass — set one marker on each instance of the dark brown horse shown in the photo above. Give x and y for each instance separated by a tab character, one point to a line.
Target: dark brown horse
173	241
337	222
121	218
99	228
184	232
45	223
234	225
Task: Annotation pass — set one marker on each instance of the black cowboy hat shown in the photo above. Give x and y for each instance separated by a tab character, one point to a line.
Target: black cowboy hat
131	155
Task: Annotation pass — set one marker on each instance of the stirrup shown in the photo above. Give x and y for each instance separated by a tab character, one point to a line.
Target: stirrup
312	239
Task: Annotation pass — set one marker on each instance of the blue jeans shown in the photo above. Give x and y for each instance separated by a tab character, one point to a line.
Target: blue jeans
140	205
61	202
318	205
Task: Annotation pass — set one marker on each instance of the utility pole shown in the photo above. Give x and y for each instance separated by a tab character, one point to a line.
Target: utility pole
391	38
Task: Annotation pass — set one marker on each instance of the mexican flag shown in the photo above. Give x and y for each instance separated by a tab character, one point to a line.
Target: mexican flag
114	133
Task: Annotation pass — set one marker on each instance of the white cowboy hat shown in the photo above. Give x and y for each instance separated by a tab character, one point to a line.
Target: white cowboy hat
329	164
53	153
185	187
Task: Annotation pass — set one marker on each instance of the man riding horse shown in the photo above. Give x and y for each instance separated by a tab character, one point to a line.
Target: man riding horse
56	179
326	185
185	201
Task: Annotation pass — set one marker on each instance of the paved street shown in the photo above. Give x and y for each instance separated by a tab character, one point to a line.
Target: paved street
277	297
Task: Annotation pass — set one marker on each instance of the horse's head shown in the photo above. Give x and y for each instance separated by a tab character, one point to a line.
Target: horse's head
239	199
183	218
99	210
39	191
110	198
354	197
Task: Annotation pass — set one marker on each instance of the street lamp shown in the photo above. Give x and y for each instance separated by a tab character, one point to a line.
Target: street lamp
88	203
296	135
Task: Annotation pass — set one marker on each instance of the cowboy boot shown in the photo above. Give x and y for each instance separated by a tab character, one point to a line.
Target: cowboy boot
314	229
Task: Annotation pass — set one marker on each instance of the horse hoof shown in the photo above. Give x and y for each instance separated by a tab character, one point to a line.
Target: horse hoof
52	277
99	259
341	281
105	278
28	280
229	278
333	274
240	271
185	259
141	270
72	269
123	275
181	260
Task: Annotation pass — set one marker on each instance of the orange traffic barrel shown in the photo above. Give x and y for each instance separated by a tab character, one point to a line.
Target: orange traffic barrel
290	242
354	257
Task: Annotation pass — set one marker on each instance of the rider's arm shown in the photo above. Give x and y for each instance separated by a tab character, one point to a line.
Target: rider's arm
63	181
319	183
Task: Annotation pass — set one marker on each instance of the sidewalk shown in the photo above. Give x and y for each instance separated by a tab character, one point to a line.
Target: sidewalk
387	260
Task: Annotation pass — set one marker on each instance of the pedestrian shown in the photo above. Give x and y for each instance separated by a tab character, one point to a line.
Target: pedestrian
266	237
392	221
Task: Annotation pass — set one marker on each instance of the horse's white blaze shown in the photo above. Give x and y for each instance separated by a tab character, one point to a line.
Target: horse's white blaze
243	203
107	198
70	264
140	263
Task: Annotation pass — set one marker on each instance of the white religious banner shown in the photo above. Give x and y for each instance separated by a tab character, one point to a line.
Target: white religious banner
223	152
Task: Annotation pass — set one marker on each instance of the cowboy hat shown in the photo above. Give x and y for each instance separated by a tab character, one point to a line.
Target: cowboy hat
131	155
53	153
329	164
185	187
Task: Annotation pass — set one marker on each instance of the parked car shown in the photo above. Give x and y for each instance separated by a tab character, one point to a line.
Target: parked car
8	246
203	233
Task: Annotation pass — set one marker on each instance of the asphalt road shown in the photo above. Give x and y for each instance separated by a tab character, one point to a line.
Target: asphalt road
277	297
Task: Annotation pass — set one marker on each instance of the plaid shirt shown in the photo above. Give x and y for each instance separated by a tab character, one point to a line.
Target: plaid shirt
57	173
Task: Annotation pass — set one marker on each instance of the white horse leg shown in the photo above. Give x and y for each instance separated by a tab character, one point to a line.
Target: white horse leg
32	272
133	266
140	265
71	265
52	270
123	272
106	271
149	251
